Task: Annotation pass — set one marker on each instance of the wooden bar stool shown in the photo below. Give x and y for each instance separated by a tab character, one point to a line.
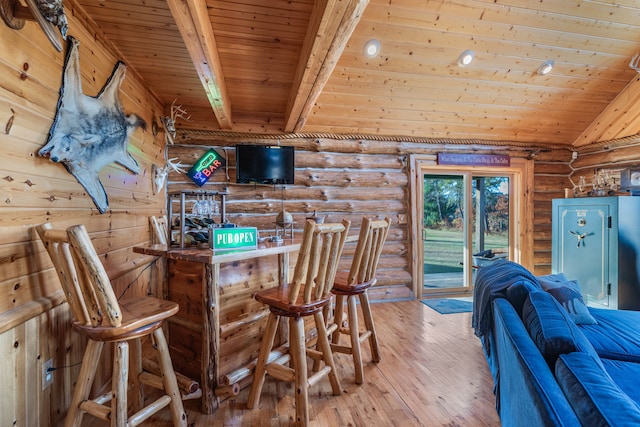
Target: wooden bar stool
353	284
160	230
307	294
99	316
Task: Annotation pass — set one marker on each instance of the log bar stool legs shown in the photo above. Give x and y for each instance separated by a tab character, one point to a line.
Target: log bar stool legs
308	294
99	316
355	283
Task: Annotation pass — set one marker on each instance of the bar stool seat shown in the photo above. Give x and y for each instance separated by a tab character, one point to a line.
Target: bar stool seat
306	295
98	315
353	284
277	300
342	286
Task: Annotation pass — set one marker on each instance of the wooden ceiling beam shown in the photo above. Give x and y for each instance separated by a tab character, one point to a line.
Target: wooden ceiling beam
194	24
332	23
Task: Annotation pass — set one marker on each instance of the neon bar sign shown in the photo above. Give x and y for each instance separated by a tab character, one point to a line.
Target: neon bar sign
234	238
205	167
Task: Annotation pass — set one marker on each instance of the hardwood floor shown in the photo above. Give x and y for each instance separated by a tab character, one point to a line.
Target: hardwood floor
432	373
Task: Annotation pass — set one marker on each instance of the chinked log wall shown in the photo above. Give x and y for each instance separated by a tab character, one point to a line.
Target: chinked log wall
556	170
352	178
336	179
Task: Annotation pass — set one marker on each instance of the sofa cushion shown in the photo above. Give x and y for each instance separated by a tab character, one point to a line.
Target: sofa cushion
594	396
551	329
518	292
625	375
616	336
569	295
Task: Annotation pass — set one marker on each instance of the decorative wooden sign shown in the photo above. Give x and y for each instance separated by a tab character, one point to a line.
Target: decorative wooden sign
467	159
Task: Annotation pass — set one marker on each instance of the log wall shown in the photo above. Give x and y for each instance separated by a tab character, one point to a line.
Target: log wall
337	178
348	178
551	172
558	170
34	320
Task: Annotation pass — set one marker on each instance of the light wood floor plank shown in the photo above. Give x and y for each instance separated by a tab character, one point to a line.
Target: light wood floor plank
432	373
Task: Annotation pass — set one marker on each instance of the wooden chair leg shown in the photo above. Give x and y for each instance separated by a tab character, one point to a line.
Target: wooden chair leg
368	321
298	350
135	369
328	318
260	369
354	334
169	380
119	384
338	316
85	381
325	347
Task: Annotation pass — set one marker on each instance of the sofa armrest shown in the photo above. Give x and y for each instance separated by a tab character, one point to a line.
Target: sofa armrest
527	392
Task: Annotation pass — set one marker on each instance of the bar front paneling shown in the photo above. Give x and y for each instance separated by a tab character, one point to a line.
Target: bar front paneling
217	331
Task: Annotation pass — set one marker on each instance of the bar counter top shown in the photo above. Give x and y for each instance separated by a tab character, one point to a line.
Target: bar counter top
206	255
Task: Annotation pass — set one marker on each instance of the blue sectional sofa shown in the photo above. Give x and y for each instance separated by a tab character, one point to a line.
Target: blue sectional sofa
554	361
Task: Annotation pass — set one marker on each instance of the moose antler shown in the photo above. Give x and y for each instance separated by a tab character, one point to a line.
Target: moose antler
169	122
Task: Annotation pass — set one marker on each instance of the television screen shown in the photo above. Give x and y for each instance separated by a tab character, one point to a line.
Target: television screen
205	167
264	164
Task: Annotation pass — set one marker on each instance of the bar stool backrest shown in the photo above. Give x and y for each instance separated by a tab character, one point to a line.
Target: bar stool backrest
159	230
318	259
372	236
82	275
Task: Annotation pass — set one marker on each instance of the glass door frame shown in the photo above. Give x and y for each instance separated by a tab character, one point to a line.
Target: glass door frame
520	173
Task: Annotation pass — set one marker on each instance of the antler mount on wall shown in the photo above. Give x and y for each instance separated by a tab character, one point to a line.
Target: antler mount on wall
49	14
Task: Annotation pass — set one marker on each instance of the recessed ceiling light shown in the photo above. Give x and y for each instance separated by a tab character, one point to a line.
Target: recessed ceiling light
371	48
465	58
546	67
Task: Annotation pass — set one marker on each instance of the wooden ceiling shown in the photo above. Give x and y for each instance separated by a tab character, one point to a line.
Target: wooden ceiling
298	65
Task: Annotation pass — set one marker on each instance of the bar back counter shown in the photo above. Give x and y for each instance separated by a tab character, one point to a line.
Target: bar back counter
216	334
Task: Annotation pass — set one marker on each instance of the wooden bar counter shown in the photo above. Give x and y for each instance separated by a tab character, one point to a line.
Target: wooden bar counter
216	333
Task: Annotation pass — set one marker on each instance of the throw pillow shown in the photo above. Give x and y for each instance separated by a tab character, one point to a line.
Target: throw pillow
569	295
552	330
518	292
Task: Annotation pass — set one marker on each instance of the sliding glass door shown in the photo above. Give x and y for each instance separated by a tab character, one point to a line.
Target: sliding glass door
466	224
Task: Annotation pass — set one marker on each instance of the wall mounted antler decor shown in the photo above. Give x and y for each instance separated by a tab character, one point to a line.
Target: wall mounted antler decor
89	133
169	122
47	13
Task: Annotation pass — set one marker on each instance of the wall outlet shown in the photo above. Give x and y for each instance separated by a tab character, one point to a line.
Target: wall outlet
47	373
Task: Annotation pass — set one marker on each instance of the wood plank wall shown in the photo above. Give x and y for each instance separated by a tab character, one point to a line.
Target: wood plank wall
34	320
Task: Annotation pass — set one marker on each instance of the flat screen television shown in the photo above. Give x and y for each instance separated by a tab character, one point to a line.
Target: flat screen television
264	164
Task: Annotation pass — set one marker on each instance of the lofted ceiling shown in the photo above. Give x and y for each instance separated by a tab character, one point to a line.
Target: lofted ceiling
297	66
